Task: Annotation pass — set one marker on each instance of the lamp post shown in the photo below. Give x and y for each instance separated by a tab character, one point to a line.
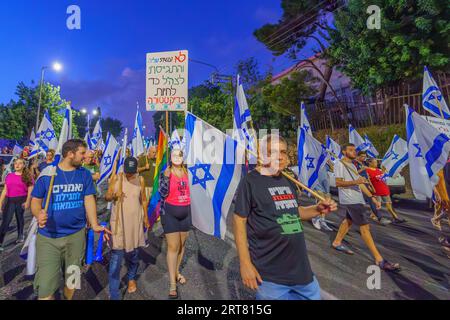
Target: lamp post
56	67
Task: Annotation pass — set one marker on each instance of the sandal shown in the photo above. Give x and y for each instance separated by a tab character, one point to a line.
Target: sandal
344	249
387	266
173	288
181	279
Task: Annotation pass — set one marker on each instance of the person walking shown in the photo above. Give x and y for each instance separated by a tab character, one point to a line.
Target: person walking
15	199
175	216
61	236
268	229
351	187
128	218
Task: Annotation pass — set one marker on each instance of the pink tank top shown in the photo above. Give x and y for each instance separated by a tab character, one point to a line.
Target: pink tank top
15	186
178	191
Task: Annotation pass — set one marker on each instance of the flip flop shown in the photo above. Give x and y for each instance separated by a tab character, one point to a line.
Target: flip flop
344	249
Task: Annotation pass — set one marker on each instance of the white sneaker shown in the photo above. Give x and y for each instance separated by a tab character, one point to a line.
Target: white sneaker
316	223
325	226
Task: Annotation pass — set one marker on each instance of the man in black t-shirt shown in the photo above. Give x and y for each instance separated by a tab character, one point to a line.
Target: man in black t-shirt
268	229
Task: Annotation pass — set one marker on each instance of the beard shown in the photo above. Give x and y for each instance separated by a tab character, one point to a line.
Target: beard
76	164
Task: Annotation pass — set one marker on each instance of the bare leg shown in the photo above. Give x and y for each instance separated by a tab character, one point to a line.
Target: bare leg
391	210
343	229
368	240
183	237
173	248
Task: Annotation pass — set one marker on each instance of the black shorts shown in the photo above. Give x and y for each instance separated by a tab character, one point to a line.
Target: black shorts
357	213
176	218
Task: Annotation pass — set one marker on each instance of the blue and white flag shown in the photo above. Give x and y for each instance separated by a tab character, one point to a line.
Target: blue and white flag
428	151
137	140
123	152
312	157
241	120
214	168
175	141
432	99
371	151
108	158
17	150
96	137
357	140
396	157
45	137
28	251
304	122
334	148
32	138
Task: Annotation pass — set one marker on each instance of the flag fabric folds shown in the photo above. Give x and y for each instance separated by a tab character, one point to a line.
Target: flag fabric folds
242	119
371	151
357	140
396	157
428	151
214	169
432	99
153	209
108	158
137	140
96	139
304	122
334	148
312	157
175	141
45	137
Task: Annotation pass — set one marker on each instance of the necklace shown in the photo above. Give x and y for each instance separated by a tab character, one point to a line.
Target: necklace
65	178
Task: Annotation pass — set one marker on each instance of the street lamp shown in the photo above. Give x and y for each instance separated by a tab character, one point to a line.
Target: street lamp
56	67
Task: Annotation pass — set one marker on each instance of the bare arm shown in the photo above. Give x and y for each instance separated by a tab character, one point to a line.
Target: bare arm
323	207
110	194
144	202
307	213
249	274
28	201
91	210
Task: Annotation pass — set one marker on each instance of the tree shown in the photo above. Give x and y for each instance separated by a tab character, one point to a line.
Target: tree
412	34
18	118
114	126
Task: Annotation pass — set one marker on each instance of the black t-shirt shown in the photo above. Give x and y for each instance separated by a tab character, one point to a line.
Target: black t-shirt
274	229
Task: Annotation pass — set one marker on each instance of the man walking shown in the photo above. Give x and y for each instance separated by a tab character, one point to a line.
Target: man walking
351	188
268	229
61	237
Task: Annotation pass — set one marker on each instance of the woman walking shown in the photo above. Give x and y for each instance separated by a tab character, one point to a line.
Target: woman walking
175	216
127	224
15	199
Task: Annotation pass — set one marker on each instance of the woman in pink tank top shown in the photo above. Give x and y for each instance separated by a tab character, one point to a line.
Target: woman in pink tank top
15	199
175	215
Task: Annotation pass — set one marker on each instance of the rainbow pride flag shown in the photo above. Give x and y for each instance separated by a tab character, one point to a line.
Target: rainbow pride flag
161	165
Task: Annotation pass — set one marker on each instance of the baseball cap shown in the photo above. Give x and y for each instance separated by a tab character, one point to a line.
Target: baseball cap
130	165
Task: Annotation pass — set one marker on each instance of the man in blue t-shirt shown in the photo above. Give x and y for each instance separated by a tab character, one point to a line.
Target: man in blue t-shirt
61	236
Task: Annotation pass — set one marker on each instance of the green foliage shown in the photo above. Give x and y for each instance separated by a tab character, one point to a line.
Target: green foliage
412	34
18	118
114	126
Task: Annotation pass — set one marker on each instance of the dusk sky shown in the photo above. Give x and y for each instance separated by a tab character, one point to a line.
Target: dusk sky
104	62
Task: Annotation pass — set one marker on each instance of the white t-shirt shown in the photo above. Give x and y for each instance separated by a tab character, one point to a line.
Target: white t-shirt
348	195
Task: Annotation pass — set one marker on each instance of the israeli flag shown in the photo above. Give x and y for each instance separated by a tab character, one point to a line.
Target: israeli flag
17	150
371	151
304	122
428	151
432	99
123	152
108	159
45	137
334	148
242	118
175	141
96	138
214	162
137	141
357	140
396	157
28	251
312	157
32	138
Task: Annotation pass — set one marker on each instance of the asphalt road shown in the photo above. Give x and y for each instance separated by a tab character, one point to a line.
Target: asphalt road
212	270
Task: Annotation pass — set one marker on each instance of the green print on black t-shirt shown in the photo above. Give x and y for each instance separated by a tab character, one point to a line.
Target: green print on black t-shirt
290	223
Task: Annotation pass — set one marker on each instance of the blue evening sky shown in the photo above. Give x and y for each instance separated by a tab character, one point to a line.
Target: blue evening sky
104	62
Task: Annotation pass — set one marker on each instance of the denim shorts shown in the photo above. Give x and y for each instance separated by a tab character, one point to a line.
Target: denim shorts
273	291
